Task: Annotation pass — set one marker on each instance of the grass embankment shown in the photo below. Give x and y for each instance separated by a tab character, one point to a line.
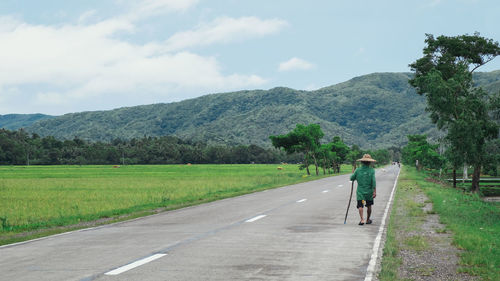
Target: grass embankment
39	200
474	226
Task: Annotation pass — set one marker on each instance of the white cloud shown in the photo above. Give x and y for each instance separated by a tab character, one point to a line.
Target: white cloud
295	64
85	66
168	5
224	30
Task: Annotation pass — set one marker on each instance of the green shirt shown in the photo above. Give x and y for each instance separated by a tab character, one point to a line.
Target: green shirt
365	175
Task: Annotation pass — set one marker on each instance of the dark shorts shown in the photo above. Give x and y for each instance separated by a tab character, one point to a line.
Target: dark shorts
367	203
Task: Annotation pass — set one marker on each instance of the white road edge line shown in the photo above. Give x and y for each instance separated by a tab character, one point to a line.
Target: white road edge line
256	218
134	264
302	200
370	271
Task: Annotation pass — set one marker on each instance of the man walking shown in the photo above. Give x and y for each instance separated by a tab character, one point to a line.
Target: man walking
366	191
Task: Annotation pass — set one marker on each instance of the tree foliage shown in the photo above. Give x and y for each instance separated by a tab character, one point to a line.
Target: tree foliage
492	158
418	149
305	139
444	76
328	156
21	148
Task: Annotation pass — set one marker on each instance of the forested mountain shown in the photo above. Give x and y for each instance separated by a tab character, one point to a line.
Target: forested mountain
16	121
373	111
490	81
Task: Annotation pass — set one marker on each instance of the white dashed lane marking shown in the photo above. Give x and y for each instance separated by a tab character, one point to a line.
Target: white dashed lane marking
256	218
134	264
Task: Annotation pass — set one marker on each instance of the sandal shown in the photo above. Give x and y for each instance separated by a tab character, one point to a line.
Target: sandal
361	223
369	222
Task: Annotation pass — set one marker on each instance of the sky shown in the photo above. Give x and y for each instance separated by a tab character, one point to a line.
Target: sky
59	56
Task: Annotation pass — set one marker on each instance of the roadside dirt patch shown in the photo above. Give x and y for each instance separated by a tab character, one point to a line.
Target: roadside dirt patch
427	252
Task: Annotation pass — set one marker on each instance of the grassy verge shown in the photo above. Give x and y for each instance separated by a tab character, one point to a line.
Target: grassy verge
406	216
474	224
42	200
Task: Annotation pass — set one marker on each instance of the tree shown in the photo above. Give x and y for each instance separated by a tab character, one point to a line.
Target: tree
301	139
354	154
419	149
327	157
455	160
395	153
341	151
383	156
444	76
492	157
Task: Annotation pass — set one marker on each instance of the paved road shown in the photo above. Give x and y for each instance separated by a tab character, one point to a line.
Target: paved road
291	233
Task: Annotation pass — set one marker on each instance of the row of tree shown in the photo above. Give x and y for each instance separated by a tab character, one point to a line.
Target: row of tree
21	148
467	114
302	145
306	139
422	154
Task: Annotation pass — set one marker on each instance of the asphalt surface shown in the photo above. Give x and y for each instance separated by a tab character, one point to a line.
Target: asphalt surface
290	233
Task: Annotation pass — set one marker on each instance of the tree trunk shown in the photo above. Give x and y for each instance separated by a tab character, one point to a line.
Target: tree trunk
476	176
306	163
315	164
465	176
454	177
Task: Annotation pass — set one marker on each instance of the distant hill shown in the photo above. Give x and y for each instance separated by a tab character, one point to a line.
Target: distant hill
490	81
16	121
373	111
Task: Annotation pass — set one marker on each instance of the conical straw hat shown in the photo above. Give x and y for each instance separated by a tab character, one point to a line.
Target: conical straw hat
367	158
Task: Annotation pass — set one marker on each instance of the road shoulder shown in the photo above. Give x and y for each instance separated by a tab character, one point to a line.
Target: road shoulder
418	246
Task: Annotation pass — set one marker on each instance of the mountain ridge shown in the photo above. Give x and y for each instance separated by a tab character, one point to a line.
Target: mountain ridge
373	111
16	121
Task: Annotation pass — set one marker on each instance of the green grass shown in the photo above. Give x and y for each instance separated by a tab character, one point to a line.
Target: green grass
474	225
38	198
406	216
417	243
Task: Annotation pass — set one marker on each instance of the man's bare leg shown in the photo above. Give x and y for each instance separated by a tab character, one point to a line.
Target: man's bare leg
361	215
369	213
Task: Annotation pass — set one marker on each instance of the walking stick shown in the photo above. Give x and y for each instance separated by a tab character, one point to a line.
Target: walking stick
349	204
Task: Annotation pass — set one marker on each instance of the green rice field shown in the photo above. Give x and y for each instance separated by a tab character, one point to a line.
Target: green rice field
35	198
